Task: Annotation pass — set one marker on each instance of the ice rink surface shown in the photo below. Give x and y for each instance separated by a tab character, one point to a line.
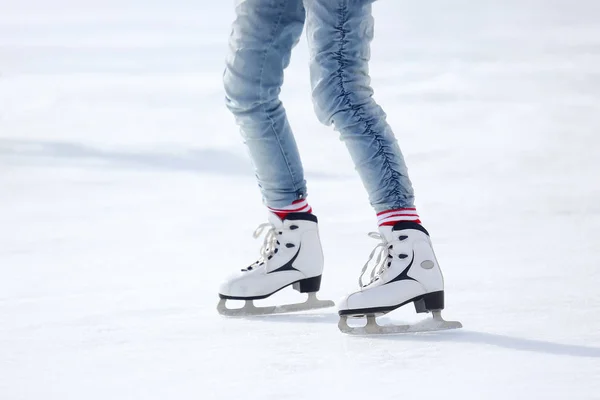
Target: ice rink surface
126	195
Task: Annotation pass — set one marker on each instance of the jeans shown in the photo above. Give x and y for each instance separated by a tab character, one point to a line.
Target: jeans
339	33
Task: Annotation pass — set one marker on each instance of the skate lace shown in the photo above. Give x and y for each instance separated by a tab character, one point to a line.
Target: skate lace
269	242
380	254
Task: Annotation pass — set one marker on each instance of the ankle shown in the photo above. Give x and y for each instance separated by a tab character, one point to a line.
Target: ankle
391	217
298	206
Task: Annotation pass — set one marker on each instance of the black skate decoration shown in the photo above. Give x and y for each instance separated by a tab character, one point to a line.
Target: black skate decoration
310	286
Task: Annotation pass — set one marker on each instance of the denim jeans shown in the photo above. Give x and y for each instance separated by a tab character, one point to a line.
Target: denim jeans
339	34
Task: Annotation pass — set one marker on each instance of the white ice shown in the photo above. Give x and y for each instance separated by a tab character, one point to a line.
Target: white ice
126	195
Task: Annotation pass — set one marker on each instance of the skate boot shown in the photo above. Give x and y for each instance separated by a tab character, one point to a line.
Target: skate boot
405	271
291	254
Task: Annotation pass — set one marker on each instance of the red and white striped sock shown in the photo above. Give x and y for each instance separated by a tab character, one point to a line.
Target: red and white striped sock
390	217
297	206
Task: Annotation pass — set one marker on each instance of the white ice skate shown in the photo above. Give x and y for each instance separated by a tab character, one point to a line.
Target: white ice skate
291	254
405	271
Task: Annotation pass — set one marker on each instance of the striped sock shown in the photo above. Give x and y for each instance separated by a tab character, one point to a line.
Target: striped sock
390	217
297	206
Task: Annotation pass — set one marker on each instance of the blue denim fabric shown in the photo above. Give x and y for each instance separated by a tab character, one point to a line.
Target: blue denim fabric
339	34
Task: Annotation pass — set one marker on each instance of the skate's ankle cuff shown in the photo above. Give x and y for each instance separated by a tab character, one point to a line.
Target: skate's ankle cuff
304	216
402	225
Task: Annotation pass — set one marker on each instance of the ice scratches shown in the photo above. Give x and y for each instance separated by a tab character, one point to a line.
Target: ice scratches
179	160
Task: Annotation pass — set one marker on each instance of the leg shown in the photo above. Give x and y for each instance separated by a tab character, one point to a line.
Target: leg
262	38
339	34
404	266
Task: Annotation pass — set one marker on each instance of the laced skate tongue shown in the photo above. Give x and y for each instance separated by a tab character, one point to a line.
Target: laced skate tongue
275	220
387	232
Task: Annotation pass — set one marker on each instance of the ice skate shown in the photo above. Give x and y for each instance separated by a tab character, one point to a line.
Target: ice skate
405	271
291	255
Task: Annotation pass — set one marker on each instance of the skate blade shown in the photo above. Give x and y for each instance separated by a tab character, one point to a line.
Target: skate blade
437	323
249	309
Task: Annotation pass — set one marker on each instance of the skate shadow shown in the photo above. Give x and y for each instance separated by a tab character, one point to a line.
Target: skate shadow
502	341
457	336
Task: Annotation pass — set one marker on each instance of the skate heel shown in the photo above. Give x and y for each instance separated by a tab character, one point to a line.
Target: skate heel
308	285
430	301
